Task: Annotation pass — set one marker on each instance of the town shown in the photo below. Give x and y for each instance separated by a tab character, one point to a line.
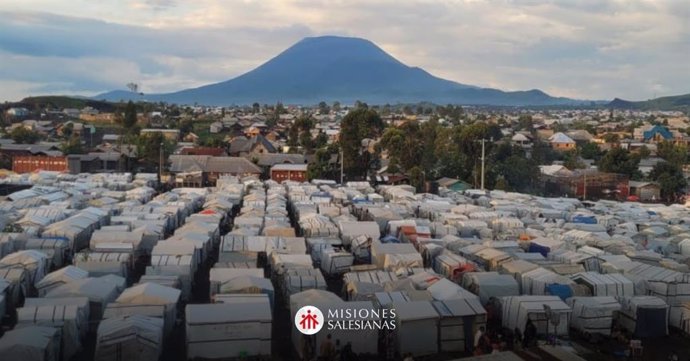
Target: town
152	231
595	153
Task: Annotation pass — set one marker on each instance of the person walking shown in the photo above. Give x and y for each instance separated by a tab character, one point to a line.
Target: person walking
530	334
478	336
327	350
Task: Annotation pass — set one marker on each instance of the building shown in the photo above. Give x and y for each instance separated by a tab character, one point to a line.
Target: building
32	163
212	151
580	136
250	147
562	142
657	134
522	140
453	184
215	127
169	134
95	162
204	170
17	112
645	191
291	172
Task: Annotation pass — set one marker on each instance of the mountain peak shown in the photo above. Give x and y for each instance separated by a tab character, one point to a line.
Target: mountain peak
346	69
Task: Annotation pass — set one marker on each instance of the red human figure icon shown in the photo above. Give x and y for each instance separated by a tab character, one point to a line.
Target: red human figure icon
309	321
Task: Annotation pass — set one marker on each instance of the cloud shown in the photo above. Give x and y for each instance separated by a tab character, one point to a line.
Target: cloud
580	48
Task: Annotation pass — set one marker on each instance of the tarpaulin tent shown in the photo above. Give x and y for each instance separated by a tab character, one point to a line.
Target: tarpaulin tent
593	314
132	338
33	343
644	316
518	309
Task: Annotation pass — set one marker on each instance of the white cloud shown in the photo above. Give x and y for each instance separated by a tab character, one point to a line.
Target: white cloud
580	48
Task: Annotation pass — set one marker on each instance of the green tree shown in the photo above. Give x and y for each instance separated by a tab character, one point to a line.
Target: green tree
357	125
525	122
416	177
404	144
149	146
186	126
293	135
22	135
336	106
322	167
519	173
323	108
256	108
280	109
644	152
590	151
674	154
619	160
72	146
129	119
611	138
670	178
571	160
68	130
321	140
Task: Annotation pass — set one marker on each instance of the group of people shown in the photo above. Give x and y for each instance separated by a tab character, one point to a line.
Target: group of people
327	350
502	339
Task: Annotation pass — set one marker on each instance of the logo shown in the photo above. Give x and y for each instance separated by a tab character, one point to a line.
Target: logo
309	320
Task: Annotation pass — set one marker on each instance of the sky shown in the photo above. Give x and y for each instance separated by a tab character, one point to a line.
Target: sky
583	49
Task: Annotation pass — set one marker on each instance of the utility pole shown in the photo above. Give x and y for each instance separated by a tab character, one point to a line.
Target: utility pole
483	161
342	160
584	186
160	164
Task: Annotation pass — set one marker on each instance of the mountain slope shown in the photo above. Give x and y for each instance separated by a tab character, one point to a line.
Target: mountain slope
676	102
333	68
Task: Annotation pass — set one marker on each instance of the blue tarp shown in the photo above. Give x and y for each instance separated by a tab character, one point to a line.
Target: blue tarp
562	291
389	239
585	219
536	248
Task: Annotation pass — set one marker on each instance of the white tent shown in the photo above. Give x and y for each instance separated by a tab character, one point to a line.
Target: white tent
104	263
153	294
679	317
60	277
133	338
220	276
417	328
17	285
593	314
350	230
181	266
82	304
517	310
246	325
98	292
34	343
613	284
490	284
535	281
249	285
444	289
36	263
644	316
459	320
69	319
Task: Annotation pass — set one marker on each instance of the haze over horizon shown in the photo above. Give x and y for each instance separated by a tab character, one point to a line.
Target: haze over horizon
579	49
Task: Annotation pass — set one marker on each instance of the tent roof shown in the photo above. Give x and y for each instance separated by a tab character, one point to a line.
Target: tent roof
149	293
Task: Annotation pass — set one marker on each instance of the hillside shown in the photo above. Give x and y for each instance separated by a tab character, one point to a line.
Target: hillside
677	102
333	68
58	102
